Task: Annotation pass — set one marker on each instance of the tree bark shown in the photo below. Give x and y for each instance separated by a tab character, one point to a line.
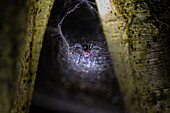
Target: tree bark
22	27
13	19
137	36
38	18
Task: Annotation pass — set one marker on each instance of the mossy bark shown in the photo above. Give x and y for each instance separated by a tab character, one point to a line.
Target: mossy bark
137	33
38	18
13	20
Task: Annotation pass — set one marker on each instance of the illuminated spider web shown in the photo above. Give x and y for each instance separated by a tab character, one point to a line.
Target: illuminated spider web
95	65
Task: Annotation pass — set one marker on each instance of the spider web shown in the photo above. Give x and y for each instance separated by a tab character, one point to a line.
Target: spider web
69	12
73	58
77	22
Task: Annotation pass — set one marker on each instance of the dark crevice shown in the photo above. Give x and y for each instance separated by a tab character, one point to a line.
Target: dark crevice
64	85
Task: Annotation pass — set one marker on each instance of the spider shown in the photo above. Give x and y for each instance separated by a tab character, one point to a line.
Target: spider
86	50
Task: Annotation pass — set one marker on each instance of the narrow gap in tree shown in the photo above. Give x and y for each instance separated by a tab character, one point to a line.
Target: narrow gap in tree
75	74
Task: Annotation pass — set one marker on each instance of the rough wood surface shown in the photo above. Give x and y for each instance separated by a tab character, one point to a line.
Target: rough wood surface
137	33
13	19
38	18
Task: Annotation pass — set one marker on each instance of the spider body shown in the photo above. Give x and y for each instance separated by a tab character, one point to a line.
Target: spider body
86	51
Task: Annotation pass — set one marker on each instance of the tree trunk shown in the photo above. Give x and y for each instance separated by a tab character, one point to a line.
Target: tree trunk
13	19
137	35
22	27
38	18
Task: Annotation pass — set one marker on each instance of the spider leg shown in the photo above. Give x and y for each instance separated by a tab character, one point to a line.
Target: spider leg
96	47
80	57
91	46
77	45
